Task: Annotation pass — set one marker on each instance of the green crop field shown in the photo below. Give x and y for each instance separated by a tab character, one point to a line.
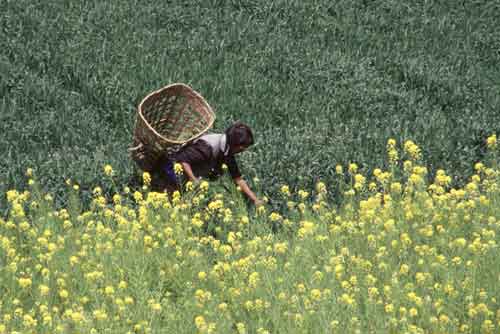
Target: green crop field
376	156
320	82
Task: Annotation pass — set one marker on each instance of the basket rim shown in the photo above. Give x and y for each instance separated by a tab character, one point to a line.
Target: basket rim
209	108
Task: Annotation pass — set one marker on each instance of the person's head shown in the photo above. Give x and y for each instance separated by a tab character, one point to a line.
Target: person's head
239	137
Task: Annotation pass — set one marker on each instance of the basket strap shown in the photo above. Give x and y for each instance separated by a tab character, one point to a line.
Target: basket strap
135	148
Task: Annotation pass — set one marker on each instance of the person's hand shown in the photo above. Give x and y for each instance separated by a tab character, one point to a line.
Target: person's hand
259	202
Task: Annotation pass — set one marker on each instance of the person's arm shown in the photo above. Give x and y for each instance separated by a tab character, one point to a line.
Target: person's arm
247	191
188	171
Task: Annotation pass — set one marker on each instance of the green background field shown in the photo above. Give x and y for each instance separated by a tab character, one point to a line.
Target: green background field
321	82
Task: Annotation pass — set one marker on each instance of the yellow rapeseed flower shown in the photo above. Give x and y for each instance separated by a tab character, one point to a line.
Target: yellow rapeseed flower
44	290
64	294
285	190
412	150
29	172
491	142
253	279
280	247
24	282
178	168
240	327
353	168
108	170
316	294
100	315
275	217
146	178
339	170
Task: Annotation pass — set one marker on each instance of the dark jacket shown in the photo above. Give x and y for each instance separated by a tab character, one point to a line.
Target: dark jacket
205	162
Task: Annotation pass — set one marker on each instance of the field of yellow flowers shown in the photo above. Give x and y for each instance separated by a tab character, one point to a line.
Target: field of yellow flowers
402	254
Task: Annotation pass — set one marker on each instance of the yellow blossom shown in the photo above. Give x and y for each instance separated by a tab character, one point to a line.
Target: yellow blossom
24	282
316	294
491	142
146	178
108	170
178	168
285	190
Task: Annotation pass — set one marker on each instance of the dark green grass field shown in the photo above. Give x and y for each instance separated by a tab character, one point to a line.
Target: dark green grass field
321	82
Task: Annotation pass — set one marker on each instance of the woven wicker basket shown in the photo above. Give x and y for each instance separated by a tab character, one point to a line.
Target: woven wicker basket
166	120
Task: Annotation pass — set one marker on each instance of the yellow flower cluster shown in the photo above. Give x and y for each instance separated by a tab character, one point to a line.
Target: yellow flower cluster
392	152
412	150
402	254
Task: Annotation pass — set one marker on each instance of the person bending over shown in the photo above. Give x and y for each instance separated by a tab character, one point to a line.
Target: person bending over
204	157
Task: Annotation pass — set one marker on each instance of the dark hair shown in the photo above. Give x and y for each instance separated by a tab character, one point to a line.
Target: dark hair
239	134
